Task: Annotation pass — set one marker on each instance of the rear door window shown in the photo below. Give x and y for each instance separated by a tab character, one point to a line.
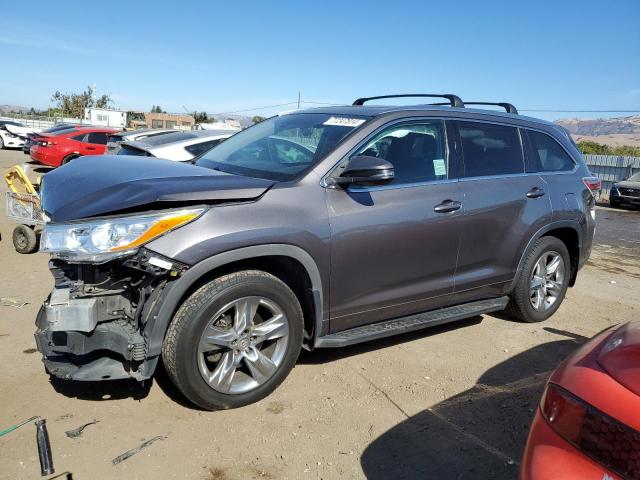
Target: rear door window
99	138
546	154
490	149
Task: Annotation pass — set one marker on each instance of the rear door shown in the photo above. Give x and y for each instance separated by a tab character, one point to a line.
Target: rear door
503	207
94	143
394	247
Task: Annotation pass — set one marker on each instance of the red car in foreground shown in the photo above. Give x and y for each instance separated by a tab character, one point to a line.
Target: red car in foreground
58	148
588	423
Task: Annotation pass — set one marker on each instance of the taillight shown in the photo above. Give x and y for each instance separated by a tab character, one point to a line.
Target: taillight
599	436
594	184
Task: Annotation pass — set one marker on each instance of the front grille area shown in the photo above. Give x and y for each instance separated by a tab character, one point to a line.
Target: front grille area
629	192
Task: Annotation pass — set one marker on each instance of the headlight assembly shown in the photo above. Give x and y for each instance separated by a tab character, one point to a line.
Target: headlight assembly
104	239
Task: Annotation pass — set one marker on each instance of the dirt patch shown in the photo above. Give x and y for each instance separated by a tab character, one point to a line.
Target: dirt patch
276	408
30	350
215	473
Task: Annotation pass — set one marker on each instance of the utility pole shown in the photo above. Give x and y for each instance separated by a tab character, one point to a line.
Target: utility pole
298	100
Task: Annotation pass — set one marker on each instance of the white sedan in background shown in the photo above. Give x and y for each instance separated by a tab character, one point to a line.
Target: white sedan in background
178	146
116	139
13	134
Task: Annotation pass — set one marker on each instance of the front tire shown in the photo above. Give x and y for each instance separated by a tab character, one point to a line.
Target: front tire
234	340
542	283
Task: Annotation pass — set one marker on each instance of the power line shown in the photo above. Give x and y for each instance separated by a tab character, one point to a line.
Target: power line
264	107
576	111
298	102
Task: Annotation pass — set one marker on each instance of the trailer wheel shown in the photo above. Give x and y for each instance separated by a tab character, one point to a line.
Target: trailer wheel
24	239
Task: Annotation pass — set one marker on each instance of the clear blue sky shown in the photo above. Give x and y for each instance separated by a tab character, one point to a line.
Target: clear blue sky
226	56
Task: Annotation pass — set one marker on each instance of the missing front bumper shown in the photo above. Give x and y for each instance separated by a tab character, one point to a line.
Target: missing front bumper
83	339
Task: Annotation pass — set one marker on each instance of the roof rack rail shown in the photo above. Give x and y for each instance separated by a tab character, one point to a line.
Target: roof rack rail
507	106
454	100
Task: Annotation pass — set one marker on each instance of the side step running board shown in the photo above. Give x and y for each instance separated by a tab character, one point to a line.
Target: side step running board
418	321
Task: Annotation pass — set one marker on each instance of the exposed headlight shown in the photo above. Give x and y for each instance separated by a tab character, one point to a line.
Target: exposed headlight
104	239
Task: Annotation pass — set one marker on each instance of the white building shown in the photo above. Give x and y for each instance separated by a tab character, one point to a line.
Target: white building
105	117
231	125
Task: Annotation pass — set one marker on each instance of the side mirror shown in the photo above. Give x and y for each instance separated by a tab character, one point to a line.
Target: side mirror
364	169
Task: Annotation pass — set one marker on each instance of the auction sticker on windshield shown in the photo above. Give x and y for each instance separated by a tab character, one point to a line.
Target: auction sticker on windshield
344	121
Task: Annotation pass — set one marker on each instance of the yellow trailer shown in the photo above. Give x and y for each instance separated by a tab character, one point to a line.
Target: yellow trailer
23	206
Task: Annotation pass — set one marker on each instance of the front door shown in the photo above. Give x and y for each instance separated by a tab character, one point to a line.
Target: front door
394	247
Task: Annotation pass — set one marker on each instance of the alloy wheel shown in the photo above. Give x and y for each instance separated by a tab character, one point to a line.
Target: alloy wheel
243	345
547	280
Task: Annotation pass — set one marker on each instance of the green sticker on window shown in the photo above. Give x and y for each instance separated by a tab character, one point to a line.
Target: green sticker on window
439	167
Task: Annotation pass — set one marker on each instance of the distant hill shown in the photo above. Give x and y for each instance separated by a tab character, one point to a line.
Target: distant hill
13	108
607	131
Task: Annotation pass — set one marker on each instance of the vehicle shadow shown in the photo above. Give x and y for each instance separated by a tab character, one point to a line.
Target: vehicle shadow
477	434
102	390
121	389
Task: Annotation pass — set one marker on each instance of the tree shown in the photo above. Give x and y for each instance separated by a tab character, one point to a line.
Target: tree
593	148
258	119
202	117
157	109
73	104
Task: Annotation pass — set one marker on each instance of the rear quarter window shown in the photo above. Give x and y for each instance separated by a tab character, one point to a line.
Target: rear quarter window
547	154
490	149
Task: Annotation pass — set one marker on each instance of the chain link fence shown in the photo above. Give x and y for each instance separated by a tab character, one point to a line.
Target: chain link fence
40	121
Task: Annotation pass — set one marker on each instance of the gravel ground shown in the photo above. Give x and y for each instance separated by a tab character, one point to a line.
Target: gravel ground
453	402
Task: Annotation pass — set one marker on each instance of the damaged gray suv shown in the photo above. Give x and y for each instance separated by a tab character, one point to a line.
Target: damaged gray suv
317	228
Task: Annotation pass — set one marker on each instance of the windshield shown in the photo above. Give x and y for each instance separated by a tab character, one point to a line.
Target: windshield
281	148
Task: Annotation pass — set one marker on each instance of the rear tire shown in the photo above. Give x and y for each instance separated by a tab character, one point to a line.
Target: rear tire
68	158
25	239
220	358
542	282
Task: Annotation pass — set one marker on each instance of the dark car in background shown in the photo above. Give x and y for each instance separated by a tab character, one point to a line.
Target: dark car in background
318	228
626	192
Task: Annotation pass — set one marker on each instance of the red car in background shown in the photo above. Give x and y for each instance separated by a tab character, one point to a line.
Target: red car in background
588	423
58	148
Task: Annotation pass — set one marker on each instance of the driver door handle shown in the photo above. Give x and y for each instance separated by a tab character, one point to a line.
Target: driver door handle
447	206
535	192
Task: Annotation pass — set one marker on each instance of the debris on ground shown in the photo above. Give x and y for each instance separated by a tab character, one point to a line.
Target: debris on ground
77	432
12	302
133	451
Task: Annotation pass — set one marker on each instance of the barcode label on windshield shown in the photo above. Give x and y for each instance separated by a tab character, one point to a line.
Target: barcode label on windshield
344	121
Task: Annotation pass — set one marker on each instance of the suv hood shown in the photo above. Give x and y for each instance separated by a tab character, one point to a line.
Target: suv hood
99	185
628	184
